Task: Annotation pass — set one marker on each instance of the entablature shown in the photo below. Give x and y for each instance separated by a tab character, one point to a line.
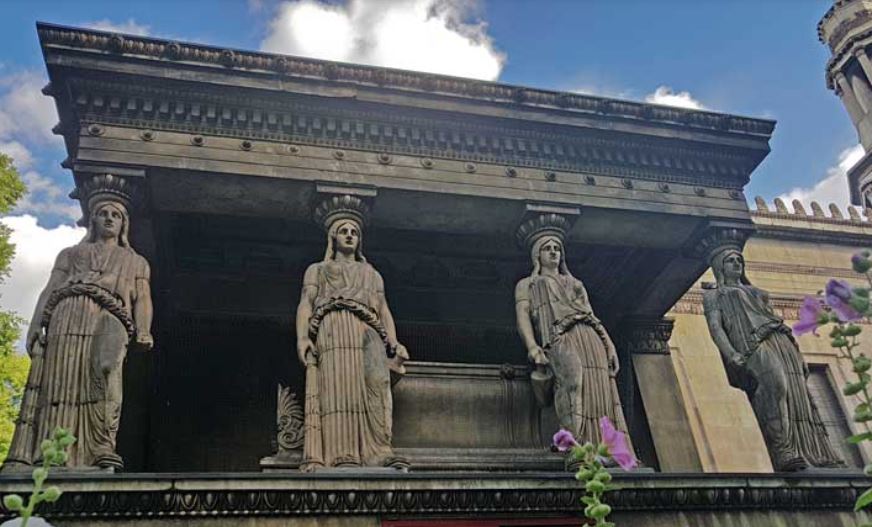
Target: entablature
161	85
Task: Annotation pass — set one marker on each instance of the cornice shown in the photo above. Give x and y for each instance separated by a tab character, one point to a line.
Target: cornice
188	54
808	235
306	121
141	496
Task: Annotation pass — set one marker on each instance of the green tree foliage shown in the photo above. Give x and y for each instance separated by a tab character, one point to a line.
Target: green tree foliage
13	366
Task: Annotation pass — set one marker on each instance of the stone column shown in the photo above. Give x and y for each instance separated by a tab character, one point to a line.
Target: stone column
647	367
849	99
865	63
862	90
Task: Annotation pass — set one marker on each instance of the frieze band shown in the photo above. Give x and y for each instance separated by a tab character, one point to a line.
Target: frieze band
416	496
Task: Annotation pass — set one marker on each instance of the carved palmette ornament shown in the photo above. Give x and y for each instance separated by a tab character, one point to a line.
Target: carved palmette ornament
289	417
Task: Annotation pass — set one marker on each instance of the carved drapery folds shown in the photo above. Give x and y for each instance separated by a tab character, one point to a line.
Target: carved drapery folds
762	358
575	360
346	337
95	306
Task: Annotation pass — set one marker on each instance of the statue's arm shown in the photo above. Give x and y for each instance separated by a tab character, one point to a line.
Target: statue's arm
59	274
525	324
143	309
305	347
385	314
713	316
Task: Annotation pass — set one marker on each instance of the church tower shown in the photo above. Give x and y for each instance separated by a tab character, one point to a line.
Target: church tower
846	29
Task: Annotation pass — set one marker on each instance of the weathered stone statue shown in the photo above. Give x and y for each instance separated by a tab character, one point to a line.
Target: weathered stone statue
96	304
566	341
762	358
347	339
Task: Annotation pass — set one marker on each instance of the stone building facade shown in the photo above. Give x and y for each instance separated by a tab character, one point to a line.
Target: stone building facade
233	154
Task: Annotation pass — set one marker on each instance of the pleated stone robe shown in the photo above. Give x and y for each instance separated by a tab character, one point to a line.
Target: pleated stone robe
75	378
773	376
353	376
574	341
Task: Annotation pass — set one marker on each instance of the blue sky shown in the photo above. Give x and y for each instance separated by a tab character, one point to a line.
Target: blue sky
751	57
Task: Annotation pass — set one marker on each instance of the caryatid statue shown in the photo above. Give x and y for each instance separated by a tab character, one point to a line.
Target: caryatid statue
762	358
563	337
96	305
348	342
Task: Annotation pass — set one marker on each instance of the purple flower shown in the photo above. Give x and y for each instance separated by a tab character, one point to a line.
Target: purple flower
564	440
838	297
809	316
616	442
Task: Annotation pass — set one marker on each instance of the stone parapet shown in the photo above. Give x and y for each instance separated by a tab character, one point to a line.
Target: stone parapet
154	499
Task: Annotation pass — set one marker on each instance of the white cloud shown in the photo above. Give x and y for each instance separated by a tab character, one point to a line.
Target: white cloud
130	27
424	35
25	113
833	188
20	154
35	251
665	96
44	197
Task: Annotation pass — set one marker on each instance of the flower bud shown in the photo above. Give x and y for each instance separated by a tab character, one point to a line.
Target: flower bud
603	476
49	453
862	364
595	486
584	474
852	388
601	511
40	473
852	330
51	494
13	502
860	263
60	458
861	304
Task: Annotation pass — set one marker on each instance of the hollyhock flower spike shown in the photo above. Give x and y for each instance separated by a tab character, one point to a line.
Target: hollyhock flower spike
564	440
810	316
838	296
617	444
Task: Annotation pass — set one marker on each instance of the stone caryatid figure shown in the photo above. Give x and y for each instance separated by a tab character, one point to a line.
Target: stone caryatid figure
97	304
347	339
762	358
564	339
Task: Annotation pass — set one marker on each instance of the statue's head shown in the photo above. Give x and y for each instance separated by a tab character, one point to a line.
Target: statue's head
547	252
728	265
109	219
345	236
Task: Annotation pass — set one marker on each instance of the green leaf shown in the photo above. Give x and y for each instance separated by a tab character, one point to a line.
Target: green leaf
863	501
859	438
588	500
